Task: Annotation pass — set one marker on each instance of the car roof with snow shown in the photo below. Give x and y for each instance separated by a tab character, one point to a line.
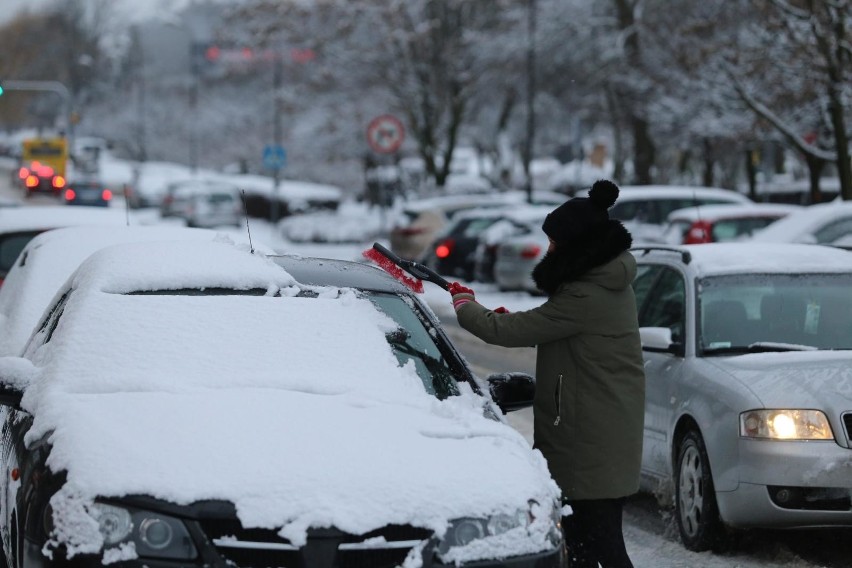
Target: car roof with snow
52	256
34	218
802	222
715	259
732	211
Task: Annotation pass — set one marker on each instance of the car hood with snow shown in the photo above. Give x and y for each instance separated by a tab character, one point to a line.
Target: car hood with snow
290	405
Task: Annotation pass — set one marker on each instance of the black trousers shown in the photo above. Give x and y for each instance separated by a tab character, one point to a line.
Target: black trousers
593	534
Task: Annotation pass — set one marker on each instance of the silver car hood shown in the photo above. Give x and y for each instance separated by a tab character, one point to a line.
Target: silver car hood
799	379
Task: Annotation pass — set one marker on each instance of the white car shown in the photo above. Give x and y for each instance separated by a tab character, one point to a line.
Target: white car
825	224
193	403
720	223
203	203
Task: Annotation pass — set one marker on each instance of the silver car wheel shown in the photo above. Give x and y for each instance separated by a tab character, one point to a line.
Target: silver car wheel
695	497
691	494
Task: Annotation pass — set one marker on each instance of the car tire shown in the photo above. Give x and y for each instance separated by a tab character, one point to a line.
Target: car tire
696	511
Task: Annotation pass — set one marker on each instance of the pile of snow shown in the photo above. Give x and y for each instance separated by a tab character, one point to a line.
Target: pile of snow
351	223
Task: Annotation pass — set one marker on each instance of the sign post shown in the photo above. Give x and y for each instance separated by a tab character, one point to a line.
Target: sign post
385	135
274	158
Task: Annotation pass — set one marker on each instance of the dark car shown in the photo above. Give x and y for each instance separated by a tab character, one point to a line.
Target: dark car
326	462
87	192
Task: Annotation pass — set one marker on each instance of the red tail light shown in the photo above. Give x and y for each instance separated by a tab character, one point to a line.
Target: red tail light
69	194
530	251
444	249
23	173
45	171
32	181
106	194
59	182
700	232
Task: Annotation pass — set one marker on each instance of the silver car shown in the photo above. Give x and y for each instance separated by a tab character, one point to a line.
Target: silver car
748	360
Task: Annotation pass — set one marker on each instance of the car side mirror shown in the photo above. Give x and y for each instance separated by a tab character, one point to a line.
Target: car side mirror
659	339
512	391
15	375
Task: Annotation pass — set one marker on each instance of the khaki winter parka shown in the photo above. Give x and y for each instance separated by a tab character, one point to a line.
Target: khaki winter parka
590	385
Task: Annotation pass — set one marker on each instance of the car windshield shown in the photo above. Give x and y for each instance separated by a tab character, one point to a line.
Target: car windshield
11	246
411	342
775	312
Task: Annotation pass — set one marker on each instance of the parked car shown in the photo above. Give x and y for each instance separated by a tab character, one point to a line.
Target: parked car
18	225
200	405
87	191
51	257
420	221
453	253
720	223
825	224
515	258
521	222
645	208
203	203
747	351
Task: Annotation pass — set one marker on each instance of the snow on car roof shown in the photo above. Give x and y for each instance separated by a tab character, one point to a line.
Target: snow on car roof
30	218
800	223
51	257
732	210
755	258
293	408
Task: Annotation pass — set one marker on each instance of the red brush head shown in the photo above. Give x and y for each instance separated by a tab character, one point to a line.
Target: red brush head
388	266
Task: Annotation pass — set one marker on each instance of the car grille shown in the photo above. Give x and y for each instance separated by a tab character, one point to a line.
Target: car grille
263	548
847	422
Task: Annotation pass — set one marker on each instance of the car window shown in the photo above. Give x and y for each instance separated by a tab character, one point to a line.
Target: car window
732	229
757	311
664	306
834	231
11	246
645	276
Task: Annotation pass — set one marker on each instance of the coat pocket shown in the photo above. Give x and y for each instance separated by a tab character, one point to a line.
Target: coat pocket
558	402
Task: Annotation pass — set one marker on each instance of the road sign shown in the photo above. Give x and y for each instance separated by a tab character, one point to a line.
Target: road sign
385	134
274	157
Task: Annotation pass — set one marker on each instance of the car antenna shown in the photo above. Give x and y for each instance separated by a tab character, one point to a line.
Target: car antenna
126	206
245	212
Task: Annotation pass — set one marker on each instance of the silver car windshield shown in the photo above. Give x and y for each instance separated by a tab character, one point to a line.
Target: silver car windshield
775	312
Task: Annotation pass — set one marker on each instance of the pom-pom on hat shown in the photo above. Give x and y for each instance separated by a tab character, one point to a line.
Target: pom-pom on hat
580	215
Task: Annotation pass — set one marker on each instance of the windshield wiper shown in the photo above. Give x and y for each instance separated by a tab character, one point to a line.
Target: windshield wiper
759	347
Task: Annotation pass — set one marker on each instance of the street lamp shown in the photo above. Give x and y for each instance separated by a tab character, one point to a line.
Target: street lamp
46	86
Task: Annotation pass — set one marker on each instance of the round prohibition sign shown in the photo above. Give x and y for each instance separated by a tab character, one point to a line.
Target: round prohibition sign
385	134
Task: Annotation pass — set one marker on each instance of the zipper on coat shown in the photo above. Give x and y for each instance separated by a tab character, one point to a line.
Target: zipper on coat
558	402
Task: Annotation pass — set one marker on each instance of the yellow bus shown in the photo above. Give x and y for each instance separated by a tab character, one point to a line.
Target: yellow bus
43	164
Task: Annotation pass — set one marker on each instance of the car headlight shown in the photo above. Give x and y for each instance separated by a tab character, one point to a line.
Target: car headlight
464	531
153	535
785	425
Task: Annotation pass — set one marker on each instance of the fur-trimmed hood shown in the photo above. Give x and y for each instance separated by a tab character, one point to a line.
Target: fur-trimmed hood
571	260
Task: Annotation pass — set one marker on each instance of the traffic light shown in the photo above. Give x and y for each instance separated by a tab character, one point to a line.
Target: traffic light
1	90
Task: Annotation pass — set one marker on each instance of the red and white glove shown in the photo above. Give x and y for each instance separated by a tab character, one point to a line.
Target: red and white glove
461	295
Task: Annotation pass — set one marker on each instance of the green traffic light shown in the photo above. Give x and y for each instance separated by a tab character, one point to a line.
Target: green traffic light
1	89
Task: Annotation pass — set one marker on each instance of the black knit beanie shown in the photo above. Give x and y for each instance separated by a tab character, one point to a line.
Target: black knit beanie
581	215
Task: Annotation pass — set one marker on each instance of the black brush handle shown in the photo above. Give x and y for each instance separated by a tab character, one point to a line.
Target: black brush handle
414	268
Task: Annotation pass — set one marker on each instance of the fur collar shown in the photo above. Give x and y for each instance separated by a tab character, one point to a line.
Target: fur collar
569	261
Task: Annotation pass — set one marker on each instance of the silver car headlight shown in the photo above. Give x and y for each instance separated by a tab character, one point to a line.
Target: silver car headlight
464	531
785	424
153	535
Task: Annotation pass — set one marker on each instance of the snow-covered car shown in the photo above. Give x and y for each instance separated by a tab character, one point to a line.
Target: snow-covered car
453	253
196	404
203	203
51	257
18	225
721	223
520	222
748	412
825	224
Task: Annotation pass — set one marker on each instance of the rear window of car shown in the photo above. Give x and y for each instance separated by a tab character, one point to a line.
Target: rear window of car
11	246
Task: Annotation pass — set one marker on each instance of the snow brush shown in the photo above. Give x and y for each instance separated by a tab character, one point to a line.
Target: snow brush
397	267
